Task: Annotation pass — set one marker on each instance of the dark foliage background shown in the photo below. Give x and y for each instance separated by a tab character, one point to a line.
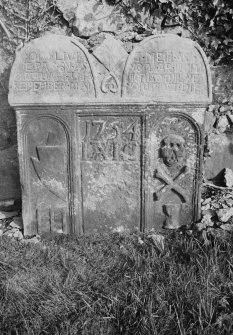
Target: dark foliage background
209	22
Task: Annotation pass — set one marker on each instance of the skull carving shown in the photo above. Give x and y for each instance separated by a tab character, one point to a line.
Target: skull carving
172	150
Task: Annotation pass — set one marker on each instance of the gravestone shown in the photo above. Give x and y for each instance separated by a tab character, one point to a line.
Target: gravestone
110	142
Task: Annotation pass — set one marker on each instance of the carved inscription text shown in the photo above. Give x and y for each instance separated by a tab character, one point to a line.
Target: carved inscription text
170	71
110	140
54	71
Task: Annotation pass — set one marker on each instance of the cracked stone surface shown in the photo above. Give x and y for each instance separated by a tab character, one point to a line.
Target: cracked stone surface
93	16
217	211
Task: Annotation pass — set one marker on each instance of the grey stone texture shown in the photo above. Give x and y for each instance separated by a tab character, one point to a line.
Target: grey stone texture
96	21
52	70
219	124
95	16
221	151
167	68
222	83
110	141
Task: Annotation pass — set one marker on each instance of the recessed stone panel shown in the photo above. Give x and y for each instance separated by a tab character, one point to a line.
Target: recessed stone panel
111	173
172	171
167	68
52	69
45	161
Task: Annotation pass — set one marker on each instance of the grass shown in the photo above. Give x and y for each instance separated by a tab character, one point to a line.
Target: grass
114	284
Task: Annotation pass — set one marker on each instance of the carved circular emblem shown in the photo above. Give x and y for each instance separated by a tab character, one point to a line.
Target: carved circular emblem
173	150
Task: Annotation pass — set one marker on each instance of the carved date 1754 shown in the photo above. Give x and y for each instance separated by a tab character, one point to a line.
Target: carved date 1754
110	141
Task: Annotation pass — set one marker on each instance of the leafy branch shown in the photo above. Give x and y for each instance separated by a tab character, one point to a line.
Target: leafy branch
209	22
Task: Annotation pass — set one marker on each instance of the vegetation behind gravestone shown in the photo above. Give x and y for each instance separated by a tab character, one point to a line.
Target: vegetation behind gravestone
209	22
25	19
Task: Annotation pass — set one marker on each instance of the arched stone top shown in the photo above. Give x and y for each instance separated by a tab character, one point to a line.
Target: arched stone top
168	69
53	69
58	70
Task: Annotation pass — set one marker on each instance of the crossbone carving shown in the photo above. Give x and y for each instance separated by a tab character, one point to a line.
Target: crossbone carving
171	183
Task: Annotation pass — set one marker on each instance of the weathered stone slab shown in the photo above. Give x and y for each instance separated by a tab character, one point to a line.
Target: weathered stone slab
108	160
53	69
167	68
86	172
81	179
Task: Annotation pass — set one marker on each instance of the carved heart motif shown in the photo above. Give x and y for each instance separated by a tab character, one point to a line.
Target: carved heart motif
110	83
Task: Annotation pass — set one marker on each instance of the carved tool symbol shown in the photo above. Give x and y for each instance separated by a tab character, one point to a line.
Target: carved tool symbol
49	166
46	171
171	185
